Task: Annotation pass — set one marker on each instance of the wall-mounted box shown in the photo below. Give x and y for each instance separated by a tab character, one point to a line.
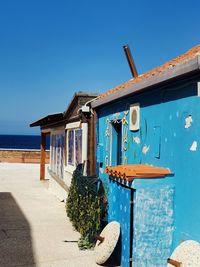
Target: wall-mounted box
135	117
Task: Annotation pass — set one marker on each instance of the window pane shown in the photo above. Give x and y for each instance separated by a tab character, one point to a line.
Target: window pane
78	141
62	156
51	150
54	152
70	147
57	154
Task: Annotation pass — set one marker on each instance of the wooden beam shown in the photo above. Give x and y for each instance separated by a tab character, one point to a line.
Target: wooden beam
42	156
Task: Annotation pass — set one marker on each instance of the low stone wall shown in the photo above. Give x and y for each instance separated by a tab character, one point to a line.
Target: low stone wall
21	156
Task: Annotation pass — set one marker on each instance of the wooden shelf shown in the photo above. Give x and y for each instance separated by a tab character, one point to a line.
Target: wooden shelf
132	171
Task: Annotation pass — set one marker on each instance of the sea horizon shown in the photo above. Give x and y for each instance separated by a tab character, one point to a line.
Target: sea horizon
21	141
20	134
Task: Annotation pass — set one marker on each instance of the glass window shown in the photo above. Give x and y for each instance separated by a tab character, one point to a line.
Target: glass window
74	147
57	154
54	153
78	145
70	147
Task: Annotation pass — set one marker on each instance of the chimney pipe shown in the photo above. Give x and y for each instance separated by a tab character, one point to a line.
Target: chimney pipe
130	61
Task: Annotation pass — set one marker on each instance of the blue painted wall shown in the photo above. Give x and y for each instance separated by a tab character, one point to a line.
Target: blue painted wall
164	139
120	210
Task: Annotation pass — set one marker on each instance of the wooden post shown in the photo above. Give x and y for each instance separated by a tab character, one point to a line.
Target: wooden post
42	156
92	144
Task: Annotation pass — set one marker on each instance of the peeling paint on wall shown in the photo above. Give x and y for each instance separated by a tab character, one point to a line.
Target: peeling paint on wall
193	146
145	149
136	140
188	121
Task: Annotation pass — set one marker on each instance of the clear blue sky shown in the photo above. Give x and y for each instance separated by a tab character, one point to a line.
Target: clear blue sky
50	49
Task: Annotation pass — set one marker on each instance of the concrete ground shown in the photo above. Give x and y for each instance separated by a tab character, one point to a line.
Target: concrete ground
34	228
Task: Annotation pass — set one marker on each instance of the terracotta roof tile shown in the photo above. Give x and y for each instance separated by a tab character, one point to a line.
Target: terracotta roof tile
156	71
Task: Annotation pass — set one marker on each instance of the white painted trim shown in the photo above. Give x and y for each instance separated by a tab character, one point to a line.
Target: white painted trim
84	145
84	127
69	167
73	125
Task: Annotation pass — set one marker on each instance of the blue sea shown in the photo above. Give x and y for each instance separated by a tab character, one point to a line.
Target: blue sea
21	142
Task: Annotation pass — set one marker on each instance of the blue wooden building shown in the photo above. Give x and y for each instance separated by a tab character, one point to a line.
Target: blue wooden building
147	123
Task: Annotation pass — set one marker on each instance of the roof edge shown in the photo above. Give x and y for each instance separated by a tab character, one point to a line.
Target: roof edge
181	69
41	120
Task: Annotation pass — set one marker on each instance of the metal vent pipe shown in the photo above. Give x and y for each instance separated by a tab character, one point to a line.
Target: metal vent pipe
130	61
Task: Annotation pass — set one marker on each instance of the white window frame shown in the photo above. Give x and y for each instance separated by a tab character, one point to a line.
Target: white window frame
84	128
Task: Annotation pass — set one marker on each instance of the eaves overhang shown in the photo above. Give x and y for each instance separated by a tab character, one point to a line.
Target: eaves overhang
47	120
183	69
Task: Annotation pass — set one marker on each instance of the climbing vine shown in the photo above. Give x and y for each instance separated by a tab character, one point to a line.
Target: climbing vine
84	207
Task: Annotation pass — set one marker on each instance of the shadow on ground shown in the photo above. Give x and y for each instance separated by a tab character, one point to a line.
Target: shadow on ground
15	234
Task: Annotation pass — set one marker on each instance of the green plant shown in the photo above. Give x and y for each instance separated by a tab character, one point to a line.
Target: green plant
84	207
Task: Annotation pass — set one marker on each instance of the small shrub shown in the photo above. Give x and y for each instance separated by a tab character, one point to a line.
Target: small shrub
84	207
